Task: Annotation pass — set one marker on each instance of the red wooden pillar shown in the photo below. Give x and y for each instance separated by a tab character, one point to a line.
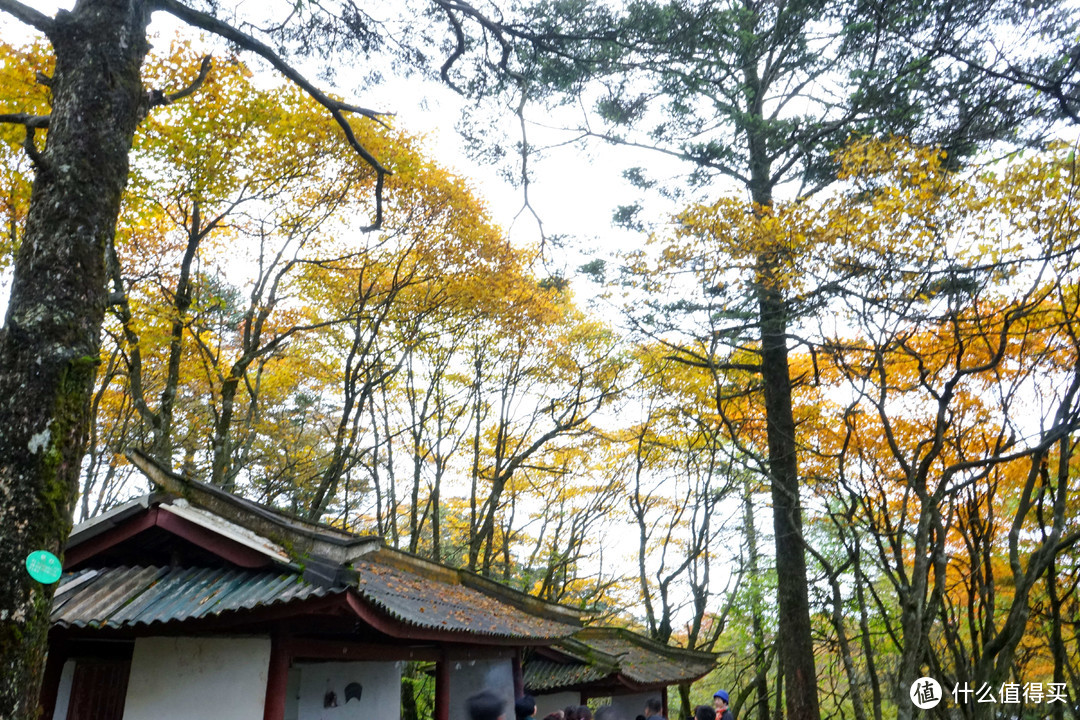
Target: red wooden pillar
277	679
442	688
519	677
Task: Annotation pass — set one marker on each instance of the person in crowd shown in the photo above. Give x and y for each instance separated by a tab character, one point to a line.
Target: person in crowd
485	705
654	706
704	712
557	715
720	702
570	712
584	713
524	707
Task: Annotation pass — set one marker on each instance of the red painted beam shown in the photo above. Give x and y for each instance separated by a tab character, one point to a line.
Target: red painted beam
50	683
519	676
110	538
442	689
229	550
277	679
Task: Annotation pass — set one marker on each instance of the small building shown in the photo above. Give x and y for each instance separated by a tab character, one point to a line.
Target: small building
615	663
192	603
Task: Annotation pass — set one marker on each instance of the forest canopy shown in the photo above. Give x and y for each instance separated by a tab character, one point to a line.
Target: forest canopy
916	305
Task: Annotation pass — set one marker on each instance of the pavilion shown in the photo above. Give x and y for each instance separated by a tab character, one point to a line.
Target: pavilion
191	602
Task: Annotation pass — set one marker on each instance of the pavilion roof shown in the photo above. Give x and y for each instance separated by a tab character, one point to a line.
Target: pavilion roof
238	556
602	658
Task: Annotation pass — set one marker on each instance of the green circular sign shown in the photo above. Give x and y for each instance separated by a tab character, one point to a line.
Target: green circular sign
44	567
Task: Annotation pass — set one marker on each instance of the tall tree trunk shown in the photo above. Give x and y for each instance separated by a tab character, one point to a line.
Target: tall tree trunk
684	701
1057	645
796	648
864	633
50	343
222	473
757	625
162	447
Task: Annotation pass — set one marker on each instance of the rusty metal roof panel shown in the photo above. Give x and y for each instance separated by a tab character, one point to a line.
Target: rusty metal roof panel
129	596
438	604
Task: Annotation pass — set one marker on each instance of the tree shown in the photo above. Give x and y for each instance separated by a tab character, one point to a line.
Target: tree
679	469
969	313
545	387
939	407
761	93
200	184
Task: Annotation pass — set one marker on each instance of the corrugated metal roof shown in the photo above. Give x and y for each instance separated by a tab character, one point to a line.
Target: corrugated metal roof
129	596
440	605
542	675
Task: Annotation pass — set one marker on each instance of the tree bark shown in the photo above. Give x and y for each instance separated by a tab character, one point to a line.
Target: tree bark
761	656
796	647
50	344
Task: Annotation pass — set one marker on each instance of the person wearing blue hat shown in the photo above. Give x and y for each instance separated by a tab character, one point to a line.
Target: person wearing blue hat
720	702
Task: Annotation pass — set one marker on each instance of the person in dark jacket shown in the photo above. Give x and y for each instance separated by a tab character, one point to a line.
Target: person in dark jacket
485	705
524	707
653	707
704	712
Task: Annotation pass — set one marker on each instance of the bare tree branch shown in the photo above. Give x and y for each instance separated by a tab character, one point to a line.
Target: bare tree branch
459	50
30	121
159	98
32	151
29	15
336	107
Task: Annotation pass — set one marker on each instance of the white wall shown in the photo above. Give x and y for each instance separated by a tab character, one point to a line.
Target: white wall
292	693
187	678
633	705
468	677
546	704
380	699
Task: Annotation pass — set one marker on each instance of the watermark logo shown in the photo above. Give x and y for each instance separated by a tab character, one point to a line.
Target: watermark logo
1010	693
925	693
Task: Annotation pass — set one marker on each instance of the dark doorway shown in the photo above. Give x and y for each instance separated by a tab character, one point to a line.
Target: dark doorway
98	688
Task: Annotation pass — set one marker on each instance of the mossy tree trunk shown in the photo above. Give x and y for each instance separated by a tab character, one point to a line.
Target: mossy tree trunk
49	344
